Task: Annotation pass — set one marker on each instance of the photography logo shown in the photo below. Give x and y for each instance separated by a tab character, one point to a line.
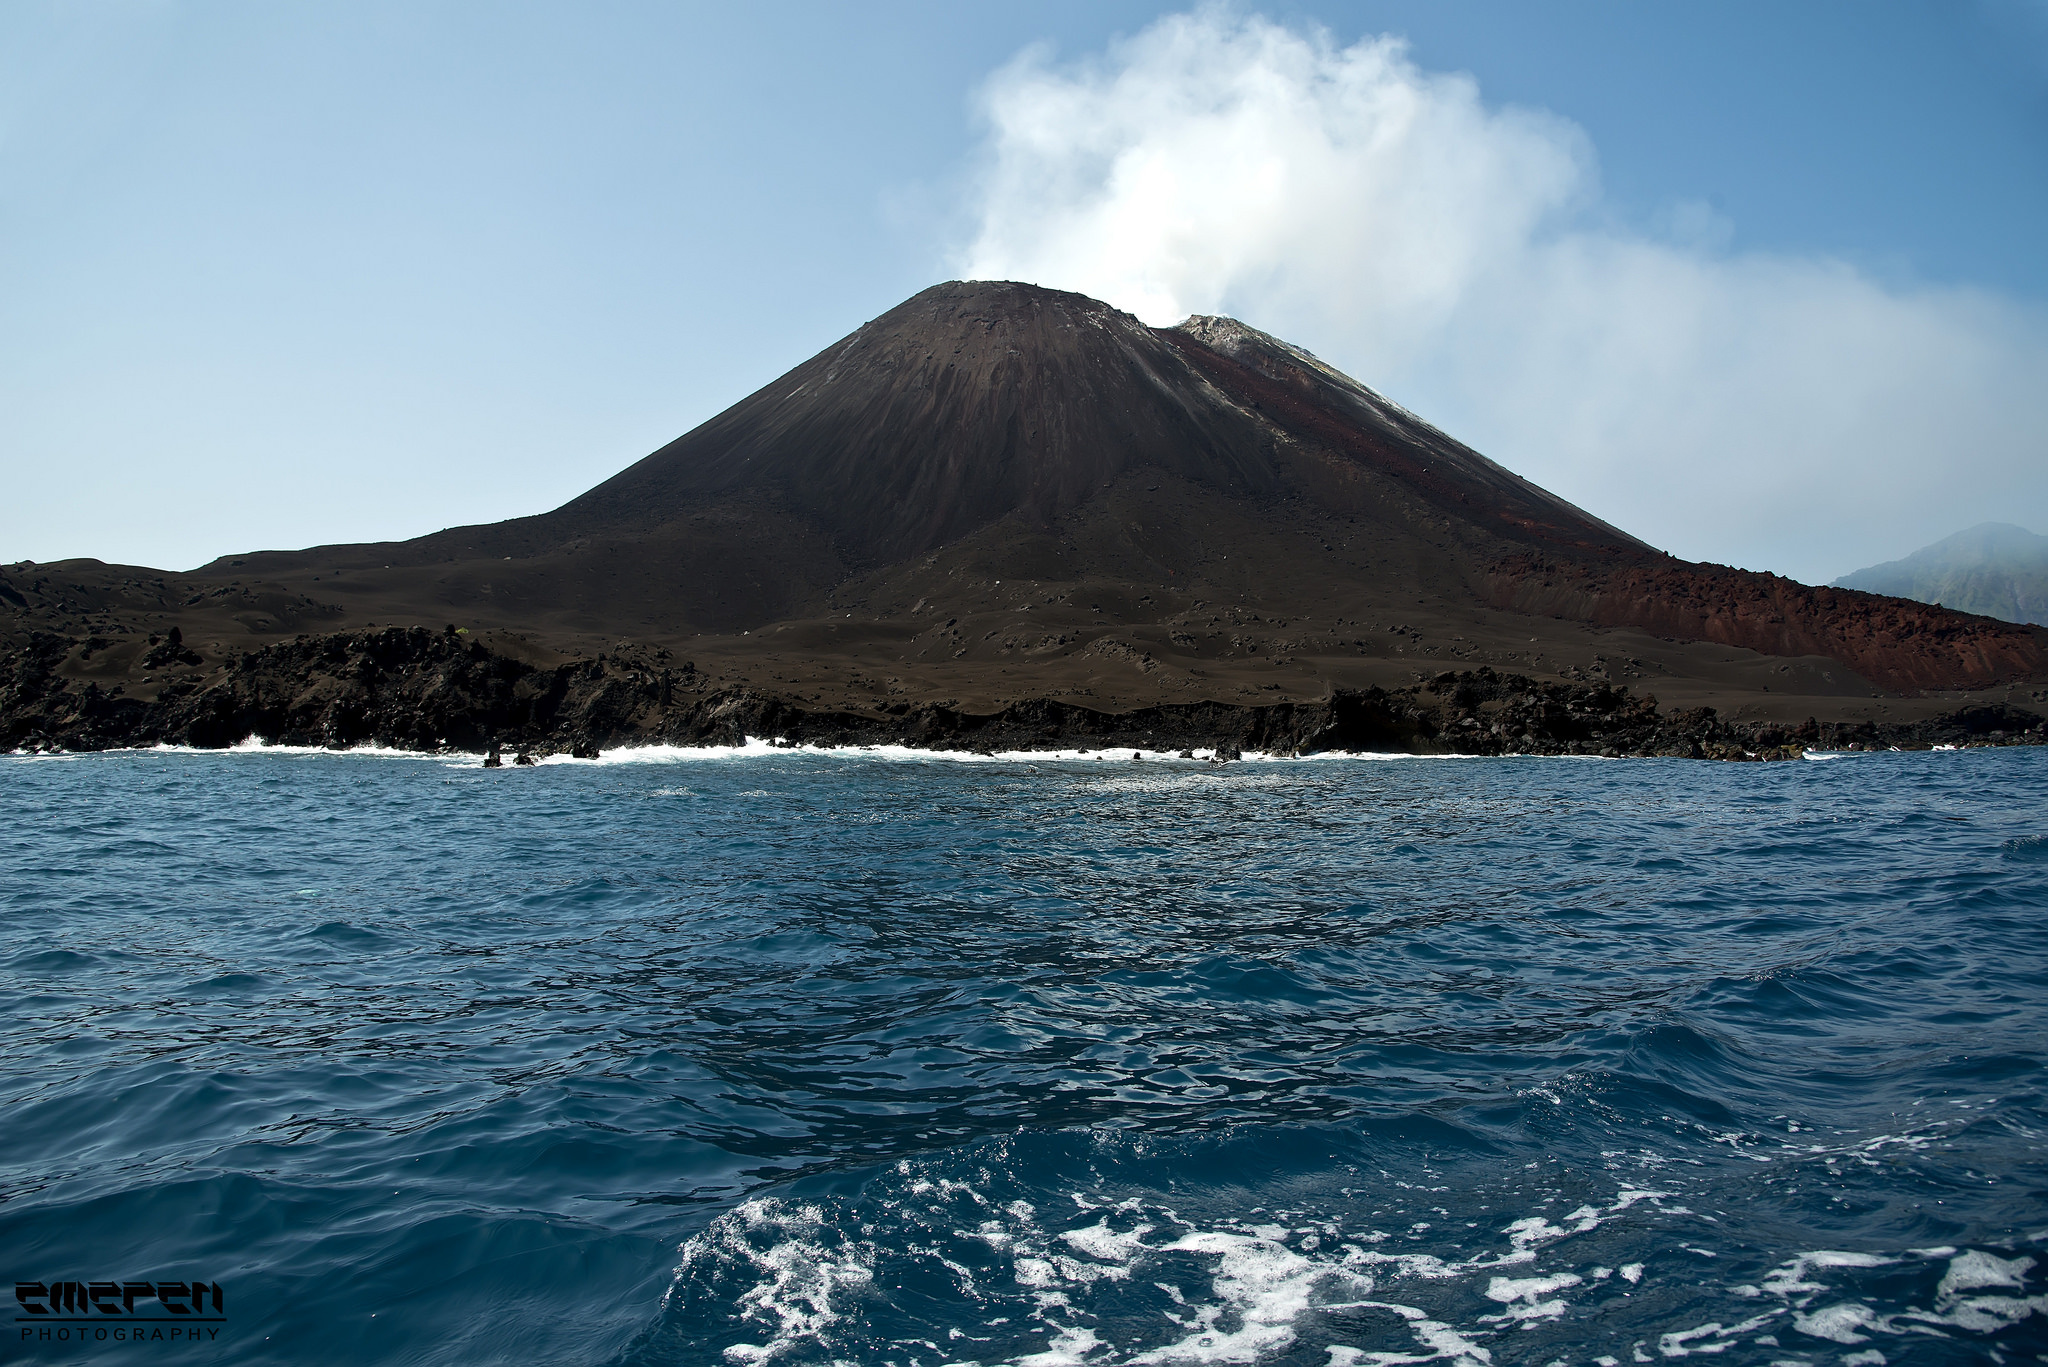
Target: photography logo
74	1313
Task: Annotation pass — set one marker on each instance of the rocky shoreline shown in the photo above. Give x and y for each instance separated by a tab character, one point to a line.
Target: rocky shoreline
411	688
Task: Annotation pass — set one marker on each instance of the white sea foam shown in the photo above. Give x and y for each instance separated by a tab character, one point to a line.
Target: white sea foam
1100	1241
1973	1271
758	747
1264	1285
1070	1347
1852	1322
1790	1279
1443	1341
1509	1289
805	1274
670	754
1264	1280
251	745
1712	1338
1840	1323
1268	1286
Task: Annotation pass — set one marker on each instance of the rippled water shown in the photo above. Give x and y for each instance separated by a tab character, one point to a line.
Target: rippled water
803	1058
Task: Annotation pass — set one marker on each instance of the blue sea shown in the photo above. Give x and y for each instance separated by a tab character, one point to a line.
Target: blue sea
800	1058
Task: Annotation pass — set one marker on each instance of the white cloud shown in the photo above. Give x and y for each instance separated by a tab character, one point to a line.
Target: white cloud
1778	412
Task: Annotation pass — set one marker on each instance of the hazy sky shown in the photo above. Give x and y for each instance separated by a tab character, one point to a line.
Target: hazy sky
1762	283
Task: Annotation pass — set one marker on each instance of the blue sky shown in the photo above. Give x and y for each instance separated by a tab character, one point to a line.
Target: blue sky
273	275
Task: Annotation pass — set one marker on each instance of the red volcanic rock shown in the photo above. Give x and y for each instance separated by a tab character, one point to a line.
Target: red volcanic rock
1894	642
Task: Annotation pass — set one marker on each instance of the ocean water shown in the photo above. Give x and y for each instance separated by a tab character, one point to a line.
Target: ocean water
799	1058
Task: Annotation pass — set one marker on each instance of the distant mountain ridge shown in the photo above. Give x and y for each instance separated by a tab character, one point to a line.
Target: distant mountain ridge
1993	569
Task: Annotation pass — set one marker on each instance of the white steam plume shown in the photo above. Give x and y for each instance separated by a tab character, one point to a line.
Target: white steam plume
1778	412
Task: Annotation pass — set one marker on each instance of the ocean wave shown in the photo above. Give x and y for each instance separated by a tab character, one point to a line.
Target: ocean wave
964	1256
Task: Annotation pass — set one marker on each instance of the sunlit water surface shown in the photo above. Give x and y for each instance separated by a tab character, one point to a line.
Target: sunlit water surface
803	1058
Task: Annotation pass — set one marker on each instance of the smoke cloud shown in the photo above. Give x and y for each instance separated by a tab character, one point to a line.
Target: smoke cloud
1777	412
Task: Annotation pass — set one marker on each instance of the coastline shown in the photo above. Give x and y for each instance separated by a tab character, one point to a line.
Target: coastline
416	690
758	747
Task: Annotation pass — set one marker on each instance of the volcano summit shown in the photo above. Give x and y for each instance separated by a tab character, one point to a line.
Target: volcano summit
1001	513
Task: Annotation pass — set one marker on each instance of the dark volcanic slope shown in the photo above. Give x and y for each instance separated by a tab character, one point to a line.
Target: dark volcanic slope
1356	433
969	406
963	406
976	402
996	492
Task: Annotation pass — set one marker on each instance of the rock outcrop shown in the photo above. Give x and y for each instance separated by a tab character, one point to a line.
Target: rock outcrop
416	689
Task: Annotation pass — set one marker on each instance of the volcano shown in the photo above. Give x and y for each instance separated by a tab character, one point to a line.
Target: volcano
997	493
